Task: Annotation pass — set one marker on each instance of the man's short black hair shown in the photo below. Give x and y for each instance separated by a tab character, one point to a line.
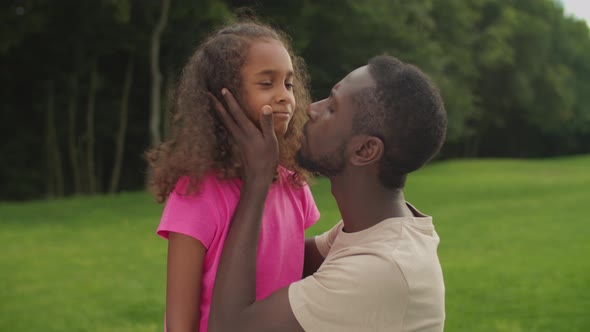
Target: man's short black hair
405	110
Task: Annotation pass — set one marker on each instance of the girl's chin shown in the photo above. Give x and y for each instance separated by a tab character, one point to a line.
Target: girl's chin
281	127
280	131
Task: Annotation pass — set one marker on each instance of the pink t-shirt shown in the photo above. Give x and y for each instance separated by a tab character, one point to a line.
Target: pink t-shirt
206	216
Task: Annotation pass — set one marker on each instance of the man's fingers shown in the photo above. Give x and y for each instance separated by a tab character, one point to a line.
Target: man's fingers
237	112
227	119
267	124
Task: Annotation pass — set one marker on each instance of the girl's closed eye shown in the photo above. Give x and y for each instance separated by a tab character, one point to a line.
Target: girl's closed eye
266	83
289	85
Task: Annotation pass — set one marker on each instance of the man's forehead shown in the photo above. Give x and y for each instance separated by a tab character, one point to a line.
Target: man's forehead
359	72
358	79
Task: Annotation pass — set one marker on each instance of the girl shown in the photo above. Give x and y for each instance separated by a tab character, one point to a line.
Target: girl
198	169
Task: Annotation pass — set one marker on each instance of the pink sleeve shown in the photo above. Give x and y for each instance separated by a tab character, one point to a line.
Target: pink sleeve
311	210
194	215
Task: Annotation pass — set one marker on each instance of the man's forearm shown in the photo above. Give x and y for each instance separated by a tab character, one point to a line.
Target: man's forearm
235	284
234	306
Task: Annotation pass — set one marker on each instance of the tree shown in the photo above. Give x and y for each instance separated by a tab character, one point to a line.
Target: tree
55	178
120	137
156	106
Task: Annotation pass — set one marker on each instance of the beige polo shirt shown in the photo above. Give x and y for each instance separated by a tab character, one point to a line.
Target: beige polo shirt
384	278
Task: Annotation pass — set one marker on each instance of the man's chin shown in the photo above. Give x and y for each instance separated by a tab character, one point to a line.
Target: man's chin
305	162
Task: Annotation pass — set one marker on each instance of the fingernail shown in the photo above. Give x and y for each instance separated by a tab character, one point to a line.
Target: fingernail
223	91
266	110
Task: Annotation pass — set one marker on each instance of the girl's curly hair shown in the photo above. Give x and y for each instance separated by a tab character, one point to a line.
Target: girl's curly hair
199	142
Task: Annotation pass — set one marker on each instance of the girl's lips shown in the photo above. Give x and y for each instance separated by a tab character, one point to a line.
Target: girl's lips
281	115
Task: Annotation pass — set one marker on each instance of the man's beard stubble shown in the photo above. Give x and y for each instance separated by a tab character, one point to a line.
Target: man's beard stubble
330	164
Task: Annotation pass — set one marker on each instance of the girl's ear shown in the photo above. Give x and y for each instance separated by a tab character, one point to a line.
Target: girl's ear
367	150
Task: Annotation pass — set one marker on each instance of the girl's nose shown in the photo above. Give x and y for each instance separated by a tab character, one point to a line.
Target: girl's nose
283	96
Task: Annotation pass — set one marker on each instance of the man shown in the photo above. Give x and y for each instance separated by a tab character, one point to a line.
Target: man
377	269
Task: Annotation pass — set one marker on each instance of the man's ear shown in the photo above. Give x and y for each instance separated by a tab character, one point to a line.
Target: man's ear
367	150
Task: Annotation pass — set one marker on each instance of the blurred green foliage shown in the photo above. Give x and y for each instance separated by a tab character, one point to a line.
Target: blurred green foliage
515	75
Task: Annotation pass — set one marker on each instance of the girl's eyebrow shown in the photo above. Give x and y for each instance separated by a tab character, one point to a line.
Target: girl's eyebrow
272	71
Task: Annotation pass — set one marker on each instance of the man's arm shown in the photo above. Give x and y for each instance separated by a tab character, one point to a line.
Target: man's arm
234	306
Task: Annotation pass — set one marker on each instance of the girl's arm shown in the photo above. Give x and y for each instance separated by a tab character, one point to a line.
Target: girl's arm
183	288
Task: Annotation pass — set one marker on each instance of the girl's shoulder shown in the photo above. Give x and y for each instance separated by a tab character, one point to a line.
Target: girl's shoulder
288	180
212	182
284	172
190	186
182	184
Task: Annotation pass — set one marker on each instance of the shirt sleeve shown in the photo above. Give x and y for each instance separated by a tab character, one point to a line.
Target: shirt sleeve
324	241
360	292
194	215
312	215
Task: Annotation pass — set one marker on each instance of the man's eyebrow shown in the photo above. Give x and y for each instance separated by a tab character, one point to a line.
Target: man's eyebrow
333	96
271	72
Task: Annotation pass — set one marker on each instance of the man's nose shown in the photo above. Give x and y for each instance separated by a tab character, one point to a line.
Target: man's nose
312	111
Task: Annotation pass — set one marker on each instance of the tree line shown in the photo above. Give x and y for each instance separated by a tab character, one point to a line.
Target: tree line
87	84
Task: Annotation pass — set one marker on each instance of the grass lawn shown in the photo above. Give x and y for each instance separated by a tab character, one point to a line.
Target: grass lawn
514	249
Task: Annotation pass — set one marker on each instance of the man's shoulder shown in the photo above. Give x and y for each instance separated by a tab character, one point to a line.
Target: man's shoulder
364	268
370	281
402	247
350	291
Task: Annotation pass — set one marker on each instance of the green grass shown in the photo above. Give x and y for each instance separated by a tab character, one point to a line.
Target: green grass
514	249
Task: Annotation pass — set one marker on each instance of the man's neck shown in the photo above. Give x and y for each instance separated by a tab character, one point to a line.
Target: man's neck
364	202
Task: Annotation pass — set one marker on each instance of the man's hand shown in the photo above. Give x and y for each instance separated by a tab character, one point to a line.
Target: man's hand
259	151
233	305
